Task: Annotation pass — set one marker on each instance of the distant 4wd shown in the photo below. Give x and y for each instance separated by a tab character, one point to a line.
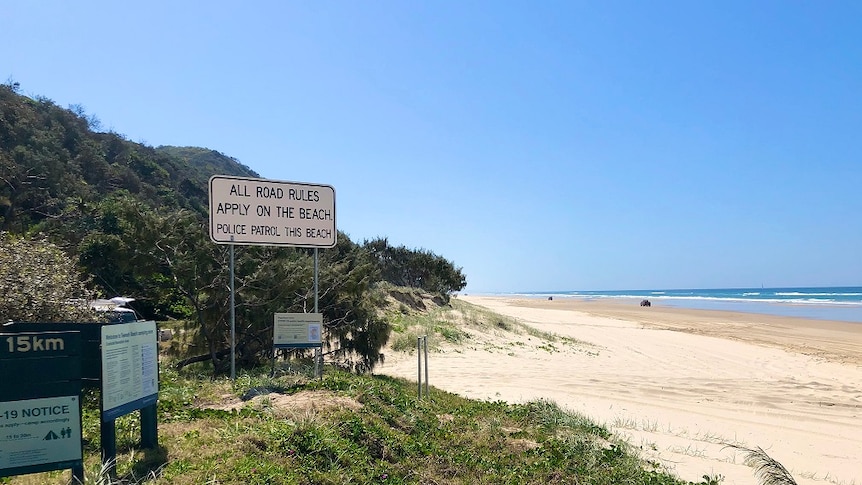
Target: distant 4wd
115	309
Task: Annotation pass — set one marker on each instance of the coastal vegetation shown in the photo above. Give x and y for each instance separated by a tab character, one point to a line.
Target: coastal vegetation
346	428
85	213
133	219
37	279
288	427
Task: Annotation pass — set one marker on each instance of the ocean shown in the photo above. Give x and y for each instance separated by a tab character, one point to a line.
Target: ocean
842	303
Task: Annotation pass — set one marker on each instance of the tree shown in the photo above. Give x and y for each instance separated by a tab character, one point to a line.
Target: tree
165	259
40	283
356	333
415	268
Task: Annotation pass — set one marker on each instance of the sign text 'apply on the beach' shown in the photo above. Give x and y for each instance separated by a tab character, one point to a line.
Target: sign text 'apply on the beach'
272	213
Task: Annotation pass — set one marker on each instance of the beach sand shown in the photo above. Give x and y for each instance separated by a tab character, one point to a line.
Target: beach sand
678	384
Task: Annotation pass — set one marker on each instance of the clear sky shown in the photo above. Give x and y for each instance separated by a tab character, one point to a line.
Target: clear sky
539	145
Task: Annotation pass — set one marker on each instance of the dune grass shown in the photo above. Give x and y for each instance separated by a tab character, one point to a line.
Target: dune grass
457	323
388	436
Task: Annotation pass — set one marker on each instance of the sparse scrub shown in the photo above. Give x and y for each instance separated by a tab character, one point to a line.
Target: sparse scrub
388	436
439	323
713	479
476	316
406	342
457	322
452	334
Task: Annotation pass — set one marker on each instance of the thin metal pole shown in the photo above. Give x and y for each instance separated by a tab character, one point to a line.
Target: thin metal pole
425	342
315	281
318	355
419	364
232	320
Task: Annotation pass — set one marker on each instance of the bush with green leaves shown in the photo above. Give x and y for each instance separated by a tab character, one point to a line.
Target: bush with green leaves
39	283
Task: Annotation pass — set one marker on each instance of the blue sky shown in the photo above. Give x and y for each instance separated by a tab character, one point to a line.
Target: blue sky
538	145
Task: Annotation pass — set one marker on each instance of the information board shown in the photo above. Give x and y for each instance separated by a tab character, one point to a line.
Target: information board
40	431
271	212
130	368
297	330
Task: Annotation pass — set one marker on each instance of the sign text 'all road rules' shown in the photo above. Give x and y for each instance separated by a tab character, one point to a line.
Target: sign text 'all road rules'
272	213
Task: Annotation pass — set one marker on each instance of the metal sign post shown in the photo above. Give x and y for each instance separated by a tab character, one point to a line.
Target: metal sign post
318	353
232	320
265	212
420	343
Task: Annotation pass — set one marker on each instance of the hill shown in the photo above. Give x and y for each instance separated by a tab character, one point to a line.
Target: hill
134	219
52	162
203	163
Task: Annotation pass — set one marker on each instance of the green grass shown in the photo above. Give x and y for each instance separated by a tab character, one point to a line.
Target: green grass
388	437
362	429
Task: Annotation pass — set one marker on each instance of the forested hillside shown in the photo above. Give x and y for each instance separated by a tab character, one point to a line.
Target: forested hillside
134	219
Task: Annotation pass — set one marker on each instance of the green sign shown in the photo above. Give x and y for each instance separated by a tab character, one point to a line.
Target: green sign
40	431
40	408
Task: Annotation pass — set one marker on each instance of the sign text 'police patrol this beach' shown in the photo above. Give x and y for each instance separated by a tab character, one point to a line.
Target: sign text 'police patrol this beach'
271	213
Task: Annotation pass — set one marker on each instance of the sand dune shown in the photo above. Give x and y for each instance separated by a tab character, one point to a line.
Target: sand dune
677	383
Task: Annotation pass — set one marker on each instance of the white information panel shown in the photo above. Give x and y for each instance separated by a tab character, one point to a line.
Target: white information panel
130	367
297	330
40	431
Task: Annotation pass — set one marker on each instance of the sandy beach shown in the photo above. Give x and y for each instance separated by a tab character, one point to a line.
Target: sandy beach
678	384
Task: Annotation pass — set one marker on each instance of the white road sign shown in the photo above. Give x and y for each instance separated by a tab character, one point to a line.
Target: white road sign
271	212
